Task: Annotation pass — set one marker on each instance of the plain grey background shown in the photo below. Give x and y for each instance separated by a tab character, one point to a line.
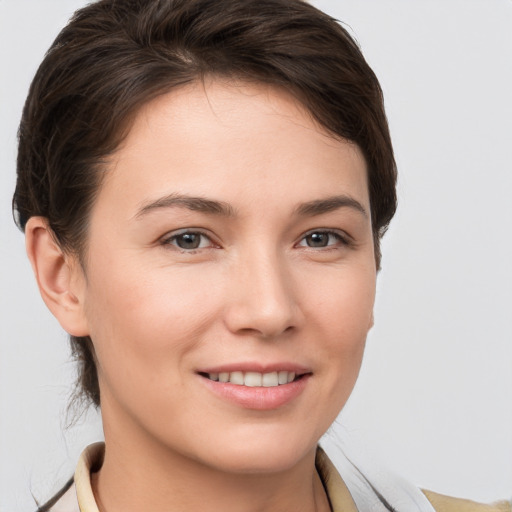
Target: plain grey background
434	399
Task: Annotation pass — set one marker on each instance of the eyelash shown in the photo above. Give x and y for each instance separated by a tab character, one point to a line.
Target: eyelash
342	239
170	240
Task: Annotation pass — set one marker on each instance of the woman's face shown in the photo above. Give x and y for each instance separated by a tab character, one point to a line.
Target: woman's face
231	240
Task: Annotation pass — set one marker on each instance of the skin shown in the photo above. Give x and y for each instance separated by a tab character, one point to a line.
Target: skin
255	291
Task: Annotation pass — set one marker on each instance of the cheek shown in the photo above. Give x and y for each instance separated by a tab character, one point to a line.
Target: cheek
145	322
343	301
341	308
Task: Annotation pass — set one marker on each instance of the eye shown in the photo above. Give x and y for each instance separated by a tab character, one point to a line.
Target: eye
321	239
189	240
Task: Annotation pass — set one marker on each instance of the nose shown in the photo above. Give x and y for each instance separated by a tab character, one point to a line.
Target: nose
263	300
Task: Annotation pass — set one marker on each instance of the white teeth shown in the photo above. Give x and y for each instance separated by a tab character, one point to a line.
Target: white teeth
237	378
283	377
269	380
254	379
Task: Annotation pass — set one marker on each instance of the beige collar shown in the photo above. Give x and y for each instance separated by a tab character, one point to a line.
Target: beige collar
337	492
92	458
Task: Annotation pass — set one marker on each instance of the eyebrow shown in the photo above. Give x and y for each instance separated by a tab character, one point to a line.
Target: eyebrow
210	206
198	204
329	204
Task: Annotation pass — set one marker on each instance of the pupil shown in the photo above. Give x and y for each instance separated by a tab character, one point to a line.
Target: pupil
188	241
318	239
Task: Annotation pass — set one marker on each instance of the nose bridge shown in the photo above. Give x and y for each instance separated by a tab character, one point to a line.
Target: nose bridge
264	301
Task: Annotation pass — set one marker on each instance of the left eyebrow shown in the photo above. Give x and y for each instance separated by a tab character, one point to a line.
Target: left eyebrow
329	204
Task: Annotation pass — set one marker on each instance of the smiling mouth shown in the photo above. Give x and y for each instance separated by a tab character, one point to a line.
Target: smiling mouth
254	379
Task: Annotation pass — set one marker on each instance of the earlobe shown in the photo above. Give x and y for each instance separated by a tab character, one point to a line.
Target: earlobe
59	277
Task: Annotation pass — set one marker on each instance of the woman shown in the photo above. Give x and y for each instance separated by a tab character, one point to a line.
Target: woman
203	189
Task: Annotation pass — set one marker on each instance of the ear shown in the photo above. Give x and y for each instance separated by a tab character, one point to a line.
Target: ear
59	276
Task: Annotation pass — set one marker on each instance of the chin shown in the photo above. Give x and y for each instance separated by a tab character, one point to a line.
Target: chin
262	452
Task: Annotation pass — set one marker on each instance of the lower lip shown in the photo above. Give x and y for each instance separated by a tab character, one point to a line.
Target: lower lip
258	398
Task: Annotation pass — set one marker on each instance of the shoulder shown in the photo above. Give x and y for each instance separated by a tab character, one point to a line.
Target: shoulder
351	488
443	503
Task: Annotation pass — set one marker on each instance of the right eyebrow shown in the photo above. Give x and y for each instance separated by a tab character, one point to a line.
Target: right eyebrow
194	203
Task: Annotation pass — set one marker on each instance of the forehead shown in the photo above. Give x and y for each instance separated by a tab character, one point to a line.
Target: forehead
238	140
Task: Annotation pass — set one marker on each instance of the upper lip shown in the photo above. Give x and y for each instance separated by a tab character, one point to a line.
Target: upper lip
256	367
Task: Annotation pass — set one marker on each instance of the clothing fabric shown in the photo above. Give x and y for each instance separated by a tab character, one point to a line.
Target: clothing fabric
352	492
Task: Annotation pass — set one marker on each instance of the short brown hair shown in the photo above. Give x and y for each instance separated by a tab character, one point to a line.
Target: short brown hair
116	55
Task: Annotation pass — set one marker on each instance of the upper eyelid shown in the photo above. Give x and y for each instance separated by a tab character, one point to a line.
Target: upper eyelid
334	231
183	231
172	235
